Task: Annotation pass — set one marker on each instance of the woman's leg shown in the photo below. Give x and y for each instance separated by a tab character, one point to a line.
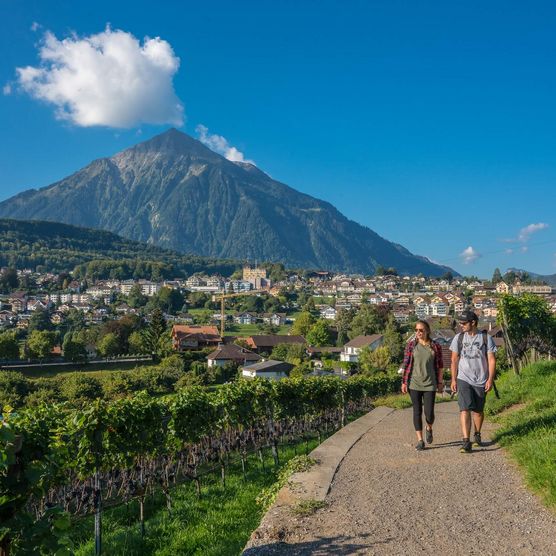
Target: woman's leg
417	401
429	398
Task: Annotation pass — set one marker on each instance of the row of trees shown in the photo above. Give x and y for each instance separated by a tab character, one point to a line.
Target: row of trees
128	335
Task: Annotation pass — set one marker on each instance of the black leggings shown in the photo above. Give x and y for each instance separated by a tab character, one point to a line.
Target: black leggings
417	398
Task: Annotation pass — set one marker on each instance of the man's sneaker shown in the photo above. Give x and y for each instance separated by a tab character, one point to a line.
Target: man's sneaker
420	446
428	436
477	442
465	446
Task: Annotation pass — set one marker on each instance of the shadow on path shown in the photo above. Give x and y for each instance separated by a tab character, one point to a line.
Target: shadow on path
321	546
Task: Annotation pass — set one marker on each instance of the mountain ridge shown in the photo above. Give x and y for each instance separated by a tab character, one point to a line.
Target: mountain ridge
174	192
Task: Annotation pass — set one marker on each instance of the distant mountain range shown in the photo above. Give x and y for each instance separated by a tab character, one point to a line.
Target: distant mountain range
548	278
174	192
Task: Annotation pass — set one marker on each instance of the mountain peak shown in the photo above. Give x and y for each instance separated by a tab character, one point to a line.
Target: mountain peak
174	142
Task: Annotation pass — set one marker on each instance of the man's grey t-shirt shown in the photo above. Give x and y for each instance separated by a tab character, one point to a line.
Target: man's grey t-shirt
473	365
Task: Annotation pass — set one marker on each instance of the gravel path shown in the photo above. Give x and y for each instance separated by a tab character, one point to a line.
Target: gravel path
386	499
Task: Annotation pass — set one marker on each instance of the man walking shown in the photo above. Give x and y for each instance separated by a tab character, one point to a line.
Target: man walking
473	369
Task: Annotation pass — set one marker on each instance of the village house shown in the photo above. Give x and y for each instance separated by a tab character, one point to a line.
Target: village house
186	337
502	287
275	319
245	318
327	312
231	353
351	350
270	370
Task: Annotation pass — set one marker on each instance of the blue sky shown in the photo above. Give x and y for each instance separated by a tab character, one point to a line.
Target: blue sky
433	123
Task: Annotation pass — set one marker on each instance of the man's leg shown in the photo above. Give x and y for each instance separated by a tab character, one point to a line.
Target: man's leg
478	419
465	421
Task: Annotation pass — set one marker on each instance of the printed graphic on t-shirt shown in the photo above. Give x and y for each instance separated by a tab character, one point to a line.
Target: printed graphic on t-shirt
471	348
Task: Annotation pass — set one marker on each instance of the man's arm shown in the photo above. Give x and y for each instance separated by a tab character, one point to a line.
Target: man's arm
491	370
454	370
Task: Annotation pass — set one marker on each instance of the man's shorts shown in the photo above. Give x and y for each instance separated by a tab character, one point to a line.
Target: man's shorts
471	398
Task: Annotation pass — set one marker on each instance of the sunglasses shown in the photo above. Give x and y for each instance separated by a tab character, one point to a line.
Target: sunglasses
420	330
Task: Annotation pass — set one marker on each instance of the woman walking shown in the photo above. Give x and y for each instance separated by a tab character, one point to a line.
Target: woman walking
422	378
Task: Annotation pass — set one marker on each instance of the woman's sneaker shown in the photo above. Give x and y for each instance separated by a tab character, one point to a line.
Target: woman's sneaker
428	436
466	447
477	442
420	446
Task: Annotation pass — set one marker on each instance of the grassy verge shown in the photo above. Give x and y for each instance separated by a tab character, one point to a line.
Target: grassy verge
217	524
402	401
245	330
529	432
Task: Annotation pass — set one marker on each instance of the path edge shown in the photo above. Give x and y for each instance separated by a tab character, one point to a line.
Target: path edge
315	483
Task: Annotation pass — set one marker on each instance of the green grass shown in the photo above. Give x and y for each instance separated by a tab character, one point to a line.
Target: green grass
96	371
217	524
528	430
245	330
403	401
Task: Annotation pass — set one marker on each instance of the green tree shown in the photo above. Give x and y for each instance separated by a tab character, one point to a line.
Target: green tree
74	320
40	343
9	346
136	298
154	332
366	322
170	300
302	324
136	343
8	280
371	361
393	339
291	353
496	276
74	349
319	334
301	370
40	320
448	276
344	317
109	345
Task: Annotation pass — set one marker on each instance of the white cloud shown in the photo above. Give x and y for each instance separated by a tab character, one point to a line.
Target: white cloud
220	145
35	26
525	233
469	255
524	249
508	251
7	89
108	79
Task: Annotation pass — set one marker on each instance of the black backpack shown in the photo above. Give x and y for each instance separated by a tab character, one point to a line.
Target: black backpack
484	349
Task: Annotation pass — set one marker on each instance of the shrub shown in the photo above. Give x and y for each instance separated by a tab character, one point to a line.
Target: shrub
79	389
14	388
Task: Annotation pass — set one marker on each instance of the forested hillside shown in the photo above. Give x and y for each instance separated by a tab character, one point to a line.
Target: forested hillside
55	247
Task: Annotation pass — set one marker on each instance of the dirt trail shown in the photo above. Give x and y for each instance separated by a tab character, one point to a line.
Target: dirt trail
387	499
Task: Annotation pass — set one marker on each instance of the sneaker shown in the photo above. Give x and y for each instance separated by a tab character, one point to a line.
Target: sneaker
465	446
420	446
477	442
428	436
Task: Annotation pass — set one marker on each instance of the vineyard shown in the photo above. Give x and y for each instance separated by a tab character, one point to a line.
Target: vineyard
59	464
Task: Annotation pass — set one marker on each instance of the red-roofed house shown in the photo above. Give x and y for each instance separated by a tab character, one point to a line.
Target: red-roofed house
185	337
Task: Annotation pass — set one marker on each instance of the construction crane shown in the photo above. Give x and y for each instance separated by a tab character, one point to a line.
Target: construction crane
224	296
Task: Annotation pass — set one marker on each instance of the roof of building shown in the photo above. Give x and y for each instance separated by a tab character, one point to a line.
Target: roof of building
363	341
233	352
267	340
271	366
206	333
